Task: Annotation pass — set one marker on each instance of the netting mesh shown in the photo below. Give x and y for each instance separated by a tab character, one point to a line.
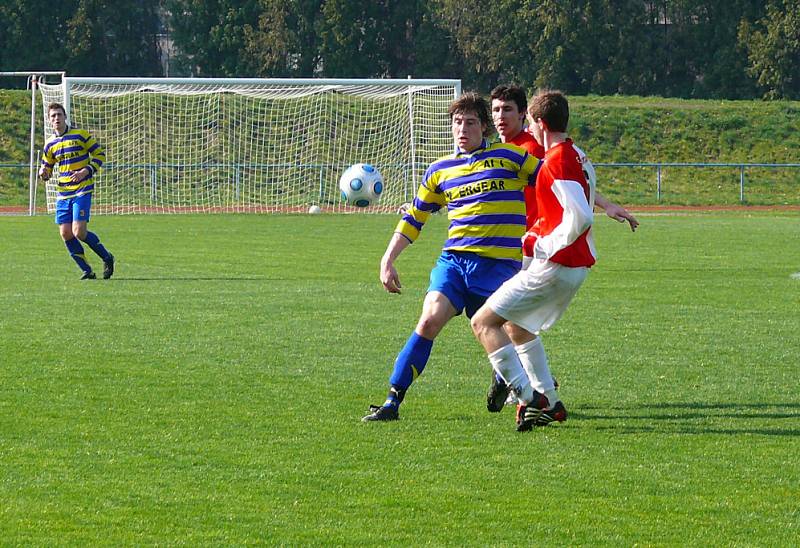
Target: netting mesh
178	147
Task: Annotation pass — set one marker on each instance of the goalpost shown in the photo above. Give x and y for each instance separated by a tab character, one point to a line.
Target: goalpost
33	78
188	145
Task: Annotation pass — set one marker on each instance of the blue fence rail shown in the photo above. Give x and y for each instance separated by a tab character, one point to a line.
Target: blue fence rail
323	168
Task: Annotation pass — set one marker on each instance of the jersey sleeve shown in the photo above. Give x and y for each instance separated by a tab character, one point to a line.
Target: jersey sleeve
48	160
576	219
530	169
429	199
96	152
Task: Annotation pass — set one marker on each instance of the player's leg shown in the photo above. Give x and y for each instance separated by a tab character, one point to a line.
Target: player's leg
531	353
412	359
499	393
81	231
64	221
444	299
548	288
488	328
484	279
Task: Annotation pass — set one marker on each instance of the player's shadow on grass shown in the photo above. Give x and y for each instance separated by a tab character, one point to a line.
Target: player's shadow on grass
697	418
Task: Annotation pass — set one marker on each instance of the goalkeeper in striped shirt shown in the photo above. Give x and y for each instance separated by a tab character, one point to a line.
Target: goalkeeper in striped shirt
481	187
78	158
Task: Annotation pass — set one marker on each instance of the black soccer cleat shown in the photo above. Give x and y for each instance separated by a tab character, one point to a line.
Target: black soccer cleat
108	267
88	276
527	415
382	413
497	395
557	414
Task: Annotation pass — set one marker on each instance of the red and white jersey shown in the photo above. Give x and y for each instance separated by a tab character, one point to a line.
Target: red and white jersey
565	199
526	141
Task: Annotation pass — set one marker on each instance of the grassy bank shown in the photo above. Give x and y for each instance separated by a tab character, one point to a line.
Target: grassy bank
611	130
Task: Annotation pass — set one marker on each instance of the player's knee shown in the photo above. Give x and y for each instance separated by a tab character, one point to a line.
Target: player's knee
478	325
430	326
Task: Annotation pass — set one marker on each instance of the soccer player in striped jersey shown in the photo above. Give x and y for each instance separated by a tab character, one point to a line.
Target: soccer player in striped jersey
509	108
563	251
481	187
79	158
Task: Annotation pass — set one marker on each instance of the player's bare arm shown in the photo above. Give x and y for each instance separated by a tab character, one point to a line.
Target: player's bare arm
615	211
389	276
44	173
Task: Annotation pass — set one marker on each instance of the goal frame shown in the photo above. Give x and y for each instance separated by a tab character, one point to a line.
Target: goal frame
68	82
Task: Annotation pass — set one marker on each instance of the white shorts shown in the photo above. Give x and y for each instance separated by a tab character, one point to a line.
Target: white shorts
535	298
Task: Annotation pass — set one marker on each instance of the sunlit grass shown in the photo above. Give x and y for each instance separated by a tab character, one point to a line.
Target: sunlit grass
211	392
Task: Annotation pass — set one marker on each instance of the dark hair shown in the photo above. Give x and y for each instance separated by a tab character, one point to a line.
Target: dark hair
511	92
56	106
472	103
552	107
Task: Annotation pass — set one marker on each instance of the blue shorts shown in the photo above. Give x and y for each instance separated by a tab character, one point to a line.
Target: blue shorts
467	279
73	209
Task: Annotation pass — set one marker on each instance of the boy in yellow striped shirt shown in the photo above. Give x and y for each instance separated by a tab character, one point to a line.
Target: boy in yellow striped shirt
79	158
481	187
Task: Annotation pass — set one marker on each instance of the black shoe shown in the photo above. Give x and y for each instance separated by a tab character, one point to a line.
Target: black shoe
88	276
497	395
382	413
527	415
108	267
557	414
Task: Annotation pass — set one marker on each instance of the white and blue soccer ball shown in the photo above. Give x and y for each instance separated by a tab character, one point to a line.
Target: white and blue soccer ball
361	185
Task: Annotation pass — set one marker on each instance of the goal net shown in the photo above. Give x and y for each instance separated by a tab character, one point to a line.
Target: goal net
193	145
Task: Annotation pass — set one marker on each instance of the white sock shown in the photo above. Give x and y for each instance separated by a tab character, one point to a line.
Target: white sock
506	362
534	360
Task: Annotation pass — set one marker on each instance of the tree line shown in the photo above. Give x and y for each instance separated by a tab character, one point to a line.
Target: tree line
722	49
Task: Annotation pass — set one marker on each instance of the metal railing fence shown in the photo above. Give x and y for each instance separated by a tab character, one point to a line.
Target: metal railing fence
7	169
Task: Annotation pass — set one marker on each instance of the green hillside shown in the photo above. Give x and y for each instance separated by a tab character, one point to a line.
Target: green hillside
15	127
649	130
611	130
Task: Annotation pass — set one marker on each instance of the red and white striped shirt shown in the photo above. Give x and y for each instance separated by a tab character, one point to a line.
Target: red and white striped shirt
562	231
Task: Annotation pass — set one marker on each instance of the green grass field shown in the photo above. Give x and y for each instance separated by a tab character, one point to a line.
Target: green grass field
211	392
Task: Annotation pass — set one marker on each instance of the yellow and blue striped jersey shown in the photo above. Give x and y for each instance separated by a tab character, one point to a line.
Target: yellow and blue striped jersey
73	150
483	193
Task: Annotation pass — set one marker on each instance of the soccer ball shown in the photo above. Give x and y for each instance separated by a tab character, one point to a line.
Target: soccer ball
361	185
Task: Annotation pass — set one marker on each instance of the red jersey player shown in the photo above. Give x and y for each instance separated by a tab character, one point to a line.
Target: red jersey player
563	251
509	105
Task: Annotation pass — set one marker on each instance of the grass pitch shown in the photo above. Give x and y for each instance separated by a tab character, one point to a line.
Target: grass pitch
211	392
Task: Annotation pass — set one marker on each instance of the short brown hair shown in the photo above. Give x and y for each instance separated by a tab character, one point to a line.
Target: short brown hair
511	92
472	103
552	107
56	106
